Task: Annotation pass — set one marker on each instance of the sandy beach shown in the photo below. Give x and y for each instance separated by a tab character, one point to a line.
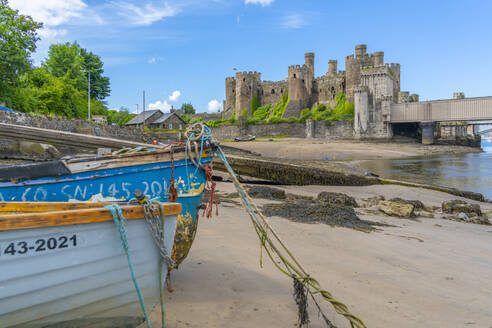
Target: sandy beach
292	148
424	272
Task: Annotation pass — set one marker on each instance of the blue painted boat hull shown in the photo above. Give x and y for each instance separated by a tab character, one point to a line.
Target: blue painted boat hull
118	184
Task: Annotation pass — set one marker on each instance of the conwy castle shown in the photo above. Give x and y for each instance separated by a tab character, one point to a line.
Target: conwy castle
367	81
306	90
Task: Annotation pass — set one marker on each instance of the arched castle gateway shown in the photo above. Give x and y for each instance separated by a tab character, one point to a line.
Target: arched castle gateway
306	90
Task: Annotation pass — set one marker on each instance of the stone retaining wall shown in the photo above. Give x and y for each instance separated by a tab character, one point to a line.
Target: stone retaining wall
313	129
80	126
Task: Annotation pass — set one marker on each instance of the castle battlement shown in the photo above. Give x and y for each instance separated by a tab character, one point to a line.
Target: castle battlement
361	89
251	75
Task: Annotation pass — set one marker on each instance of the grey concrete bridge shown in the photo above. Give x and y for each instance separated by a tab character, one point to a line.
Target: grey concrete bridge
466	109
474	111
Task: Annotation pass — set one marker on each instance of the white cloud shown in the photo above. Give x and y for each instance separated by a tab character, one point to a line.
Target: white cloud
163	106
214	106
50	12
53	14
144	14
293	21
51	33
263	3
151	60
175	95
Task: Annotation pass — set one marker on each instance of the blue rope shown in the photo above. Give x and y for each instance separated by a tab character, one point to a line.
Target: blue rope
119	220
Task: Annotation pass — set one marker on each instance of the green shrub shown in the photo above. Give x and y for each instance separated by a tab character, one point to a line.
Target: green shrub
195	120
279	109
186	118
262	112
344	109
254	120
254	105
292	119
306	114
232	119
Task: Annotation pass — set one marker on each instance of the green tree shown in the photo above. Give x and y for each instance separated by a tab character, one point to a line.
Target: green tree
99	84
76	62
120	117
18	38
188	108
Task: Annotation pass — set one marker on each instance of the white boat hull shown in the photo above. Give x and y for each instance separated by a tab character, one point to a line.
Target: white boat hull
49	278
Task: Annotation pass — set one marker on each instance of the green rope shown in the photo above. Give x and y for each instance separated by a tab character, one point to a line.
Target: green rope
161	280
276	248
119	220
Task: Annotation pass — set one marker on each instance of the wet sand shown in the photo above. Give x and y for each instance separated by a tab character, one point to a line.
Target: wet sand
420	273
292	148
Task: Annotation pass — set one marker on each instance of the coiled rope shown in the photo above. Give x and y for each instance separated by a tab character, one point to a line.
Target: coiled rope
276	248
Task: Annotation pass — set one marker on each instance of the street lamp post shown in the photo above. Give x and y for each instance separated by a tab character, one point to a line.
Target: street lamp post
89	96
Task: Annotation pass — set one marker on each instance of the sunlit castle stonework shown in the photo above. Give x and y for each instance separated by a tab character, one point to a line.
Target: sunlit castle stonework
305	90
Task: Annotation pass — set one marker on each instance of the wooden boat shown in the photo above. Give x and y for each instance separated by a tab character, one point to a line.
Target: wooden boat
114	177
63	265
248	137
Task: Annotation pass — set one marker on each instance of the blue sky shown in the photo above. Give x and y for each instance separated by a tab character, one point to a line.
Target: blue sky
181	51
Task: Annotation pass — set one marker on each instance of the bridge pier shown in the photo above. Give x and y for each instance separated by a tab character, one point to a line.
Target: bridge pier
427	132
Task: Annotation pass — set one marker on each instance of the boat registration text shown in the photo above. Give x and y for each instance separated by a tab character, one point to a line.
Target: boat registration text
25	247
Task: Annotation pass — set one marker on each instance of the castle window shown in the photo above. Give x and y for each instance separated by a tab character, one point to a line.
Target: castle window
244	79
273	91
233	90
294	75
281	90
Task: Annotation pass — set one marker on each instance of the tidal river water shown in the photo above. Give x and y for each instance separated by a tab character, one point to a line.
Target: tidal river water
472	172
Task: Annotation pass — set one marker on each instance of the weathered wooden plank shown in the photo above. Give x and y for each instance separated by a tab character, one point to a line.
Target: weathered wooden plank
148	157
34	207
78	216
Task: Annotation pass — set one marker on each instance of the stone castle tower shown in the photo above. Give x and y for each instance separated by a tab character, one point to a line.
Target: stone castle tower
305	90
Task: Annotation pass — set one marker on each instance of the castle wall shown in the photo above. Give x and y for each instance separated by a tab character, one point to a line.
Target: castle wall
230	101
378	80
271	92
395	70
352	76
327	87
335	130
247	85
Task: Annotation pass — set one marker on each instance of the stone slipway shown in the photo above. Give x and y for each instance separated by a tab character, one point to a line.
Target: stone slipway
63	138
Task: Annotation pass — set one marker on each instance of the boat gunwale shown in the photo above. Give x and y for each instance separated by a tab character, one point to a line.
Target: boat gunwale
86	213
157	151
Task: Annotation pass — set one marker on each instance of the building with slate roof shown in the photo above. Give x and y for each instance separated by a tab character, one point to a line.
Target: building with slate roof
156	119
168	121
145	118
